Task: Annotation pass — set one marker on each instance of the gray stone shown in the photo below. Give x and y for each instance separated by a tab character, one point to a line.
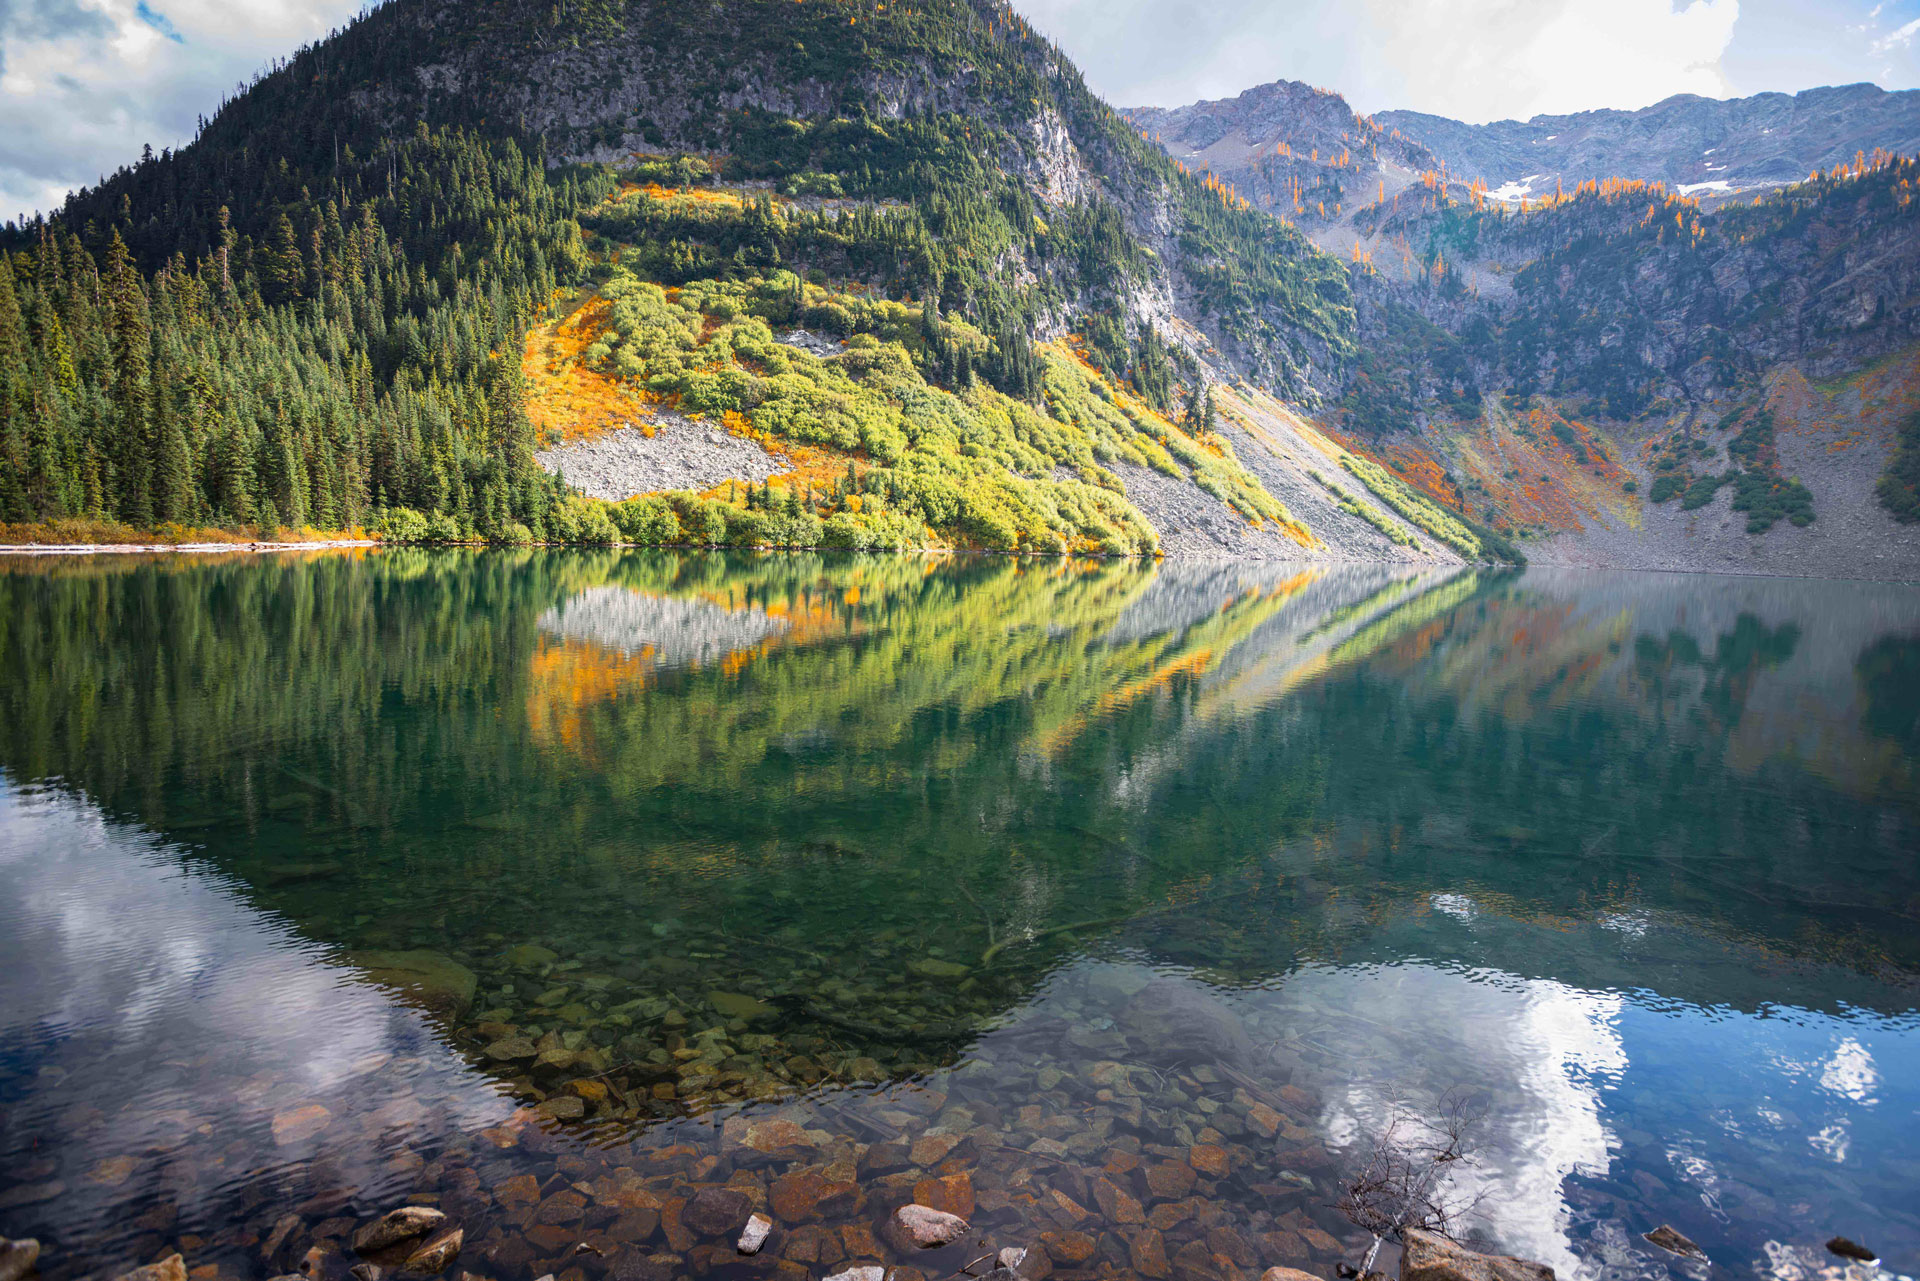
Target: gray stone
925	1228
754	1235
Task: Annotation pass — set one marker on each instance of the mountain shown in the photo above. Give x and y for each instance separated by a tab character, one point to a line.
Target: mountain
1696	146
842	274
953	297
1620	370
1293	148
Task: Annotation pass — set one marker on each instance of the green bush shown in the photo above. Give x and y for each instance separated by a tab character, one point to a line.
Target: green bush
401	525
648	521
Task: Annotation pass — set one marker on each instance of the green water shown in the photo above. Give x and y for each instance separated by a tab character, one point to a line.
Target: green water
1150	895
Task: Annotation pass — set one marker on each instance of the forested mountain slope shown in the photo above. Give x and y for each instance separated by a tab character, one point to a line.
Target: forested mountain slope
907	250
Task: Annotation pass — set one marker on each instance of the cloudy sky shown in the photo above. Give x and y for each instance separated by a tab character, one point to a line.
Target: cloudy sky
85	83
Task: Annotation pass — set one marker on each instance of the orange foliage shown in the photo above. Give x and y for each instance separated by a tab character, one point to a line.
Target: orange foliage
563	395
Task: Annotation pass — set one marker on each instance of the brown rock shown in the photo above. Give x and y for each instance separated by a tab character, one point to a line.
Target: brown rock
1287	1274
1170	1180
954	1194
635	1226
1286	1245
403	1224
859	1241
634	1266
772	1135
522	1189
1065	1207
436	1252
1148	1252
1068	1249
563	1107
716	1212
814	1245
296	1124
1264	1119
1192	1263
1668	1238
1224	1240
1209	1159
171	1268
1428	1256
680	1238
883	1158
17	1258
1320	1242
930	1150
801	1195
1117	1203
1169	1214
563	1207
922	1227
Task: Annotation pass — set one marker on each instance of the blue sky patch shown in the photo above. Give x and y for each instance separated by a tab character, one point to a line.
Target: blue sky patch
158	21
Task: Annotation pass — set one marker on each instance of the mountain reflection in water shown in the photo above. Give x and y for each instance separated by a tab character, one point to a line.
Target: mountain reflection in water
1125	900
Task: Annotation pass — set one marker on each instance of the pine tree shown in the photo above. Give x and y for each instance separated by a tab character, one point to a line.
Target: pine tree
132	355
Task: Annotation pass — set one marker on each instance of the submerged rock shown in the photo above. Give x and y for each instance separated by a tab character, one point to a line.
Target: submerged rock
1851	1250
17	1258
1669	1238
438	984
403	1224
754	1235
716	1212
171	1268
1179	1023
434	1254
1288	1274
922	1227
1428	1256
928	967
737	1005
860	1274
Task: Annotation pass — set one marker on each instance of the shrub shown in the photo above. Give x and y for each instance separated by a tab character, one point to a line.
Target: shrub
401	525
648	521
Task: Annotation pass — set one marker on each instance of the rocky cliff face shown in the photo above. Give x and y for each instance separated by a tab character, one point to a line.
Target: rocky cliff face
1271	135
1293	150
1696	145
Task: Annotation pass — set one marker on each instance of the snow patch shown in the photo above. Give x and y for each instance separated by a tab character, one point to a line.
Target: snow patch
1515	192
1718	185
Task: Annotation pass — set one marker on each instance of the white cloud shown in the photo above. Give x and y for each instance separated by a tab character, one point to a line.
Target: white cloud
1472	59
1899	38
84	84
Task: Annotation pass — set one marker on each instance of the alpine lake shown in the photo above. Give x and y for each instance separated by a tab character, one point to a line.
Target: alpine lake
600	899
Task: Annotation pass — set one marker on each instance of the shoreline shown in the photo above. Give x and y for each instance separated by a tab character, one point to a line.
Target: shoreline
89	549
